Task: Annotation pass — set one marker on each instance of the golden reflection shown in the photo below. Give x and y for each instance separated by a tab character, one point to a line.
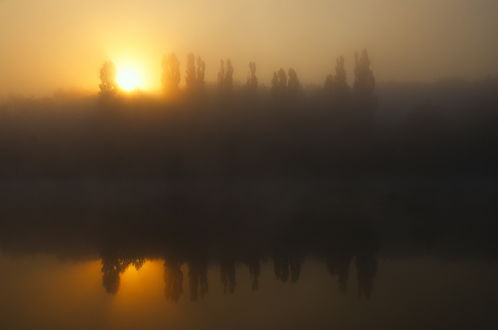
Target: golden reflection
141	283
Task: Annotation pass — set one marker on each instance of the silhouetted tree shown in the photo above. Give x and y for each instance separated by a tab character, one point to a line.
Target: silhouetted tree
279	84
225	77
340	72
337	87
282	79
341	88
112	267
191	73
229	76
171	73
364	83
293	84
201	70
274	85
221	75
108	85
252	80
364	86
328	86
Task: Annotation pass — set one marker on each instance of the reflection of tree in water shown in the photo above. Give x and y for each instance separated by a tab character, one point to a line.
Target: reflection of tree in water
254	270
227	269
338	250
111	272
198	278
366	266
173	279
137	263
338	264
361	246
112	268
285	266
366	263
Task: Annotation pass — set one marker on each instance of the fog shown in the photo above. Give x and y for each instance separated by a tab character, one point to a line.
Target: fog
264	164
56	44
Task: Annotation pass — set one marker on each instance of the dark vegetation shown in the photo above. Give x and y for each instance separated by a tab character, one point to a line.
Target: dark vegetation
444	128
237	227
235	175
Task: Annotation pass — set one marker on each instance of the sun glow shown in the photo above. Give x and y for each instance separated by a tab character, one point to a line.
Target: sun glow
129	78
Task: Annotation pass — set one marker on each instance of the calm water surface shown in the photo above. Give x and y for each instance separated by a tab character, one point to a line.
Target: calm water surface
360	261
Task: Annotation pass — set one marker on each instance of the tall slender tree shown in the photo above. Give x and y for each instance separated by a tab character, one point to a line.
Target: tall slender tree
364	86
328	86
341	91
336	86
229	76
340	73
252	80
364	83
279	84
293	84
221	75
275	85
171	73
191	73
108	85
201	70
225	77
282	79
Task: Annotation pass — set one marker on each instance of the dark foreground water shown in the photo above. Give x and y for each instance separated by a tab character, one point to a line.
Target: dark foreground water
362	254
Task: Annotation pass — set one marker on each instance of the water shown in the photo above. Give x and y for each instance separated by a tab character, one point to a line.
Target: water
279	258
44	292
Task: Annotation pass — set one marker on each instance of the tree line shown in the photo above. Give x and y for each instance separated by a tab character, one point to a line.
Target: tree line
284	84
286	268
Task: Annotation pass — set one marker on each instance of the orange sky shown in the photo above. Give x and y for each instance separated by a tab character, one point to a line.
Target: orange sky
52	44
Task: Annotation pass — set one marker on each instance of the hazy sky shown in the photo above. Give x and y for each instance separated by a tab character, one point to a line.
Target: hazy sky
51	44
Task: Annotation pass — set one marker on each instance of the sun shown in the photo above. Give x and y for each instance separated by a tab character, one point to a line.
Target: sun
128	79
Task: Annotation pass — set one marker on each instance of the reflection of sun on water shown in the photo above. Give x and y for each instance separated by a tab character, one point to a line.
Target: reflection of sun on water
141	285
140	302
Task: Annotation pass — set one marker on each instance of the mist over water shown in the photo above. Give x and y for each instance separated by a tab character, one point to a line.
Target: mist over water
335	206
213	255
242	164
